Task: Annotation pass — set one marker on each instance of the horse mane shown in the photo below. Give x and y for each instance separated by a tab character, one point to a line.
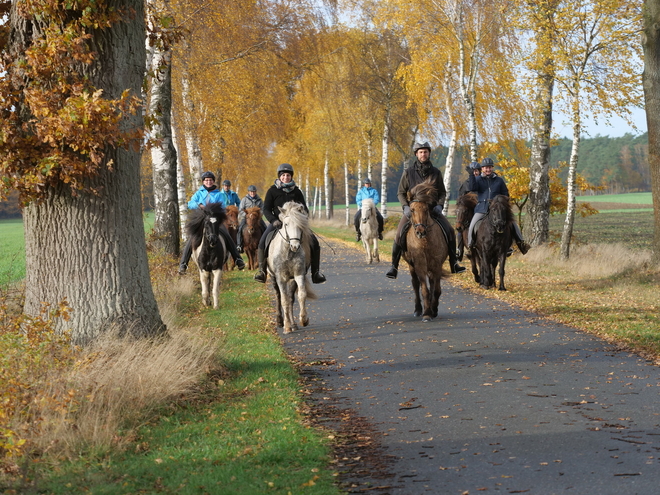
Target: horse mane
298	214
195	222
252	209
369	202
424	192
503	202
469	200
231	209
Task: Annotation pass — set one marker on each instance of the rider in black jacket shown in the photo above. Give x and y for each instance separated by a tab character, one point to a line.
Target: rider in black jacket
282	191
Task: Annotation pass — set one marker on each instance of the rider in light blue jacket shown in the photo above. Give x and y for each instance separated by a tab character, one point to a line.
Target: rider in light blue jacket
227	196
367	192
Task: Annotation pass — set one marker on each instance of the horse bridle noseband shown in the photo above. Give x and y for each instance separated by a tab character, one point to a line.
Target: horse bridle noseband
287	239
415	225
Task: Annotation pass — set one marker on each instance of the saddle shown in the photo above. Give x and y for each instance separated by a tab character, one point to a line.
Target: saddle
406	227
269	239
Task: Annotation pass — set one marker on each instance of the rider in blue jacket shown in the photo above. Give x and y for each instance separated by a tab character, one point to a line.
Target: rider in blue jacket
227	196
367	192
206	194
487	186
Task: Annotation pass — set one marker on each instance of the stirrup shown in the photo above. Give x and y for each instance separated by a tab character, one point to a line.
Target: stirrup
392	272
239	263
260	277
318	278
380	236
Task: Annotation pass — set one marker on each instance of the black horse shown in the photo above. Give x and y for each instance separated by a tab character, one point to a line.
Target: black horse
492	241
465	205
209	250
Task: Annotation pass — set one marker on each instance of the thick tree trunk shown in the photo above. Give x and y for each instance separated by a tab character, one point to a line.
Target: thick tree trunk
538	204
163	154
651	81
89	249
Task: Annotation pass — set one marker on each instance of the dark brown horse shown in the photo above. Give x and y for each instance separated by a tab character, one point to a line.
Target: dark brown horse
232	227
252	231
492	238
464	213
426	250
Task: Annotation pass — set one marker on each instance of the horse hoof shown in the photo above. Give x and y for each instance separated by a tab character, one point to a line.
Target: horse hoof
426	319
280	322
417	313
286	331
502	288
485	287
304	322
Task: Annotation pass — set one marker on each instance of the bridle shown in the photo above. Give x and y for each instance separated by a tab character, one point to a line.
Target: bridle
212	237
415	225
287	238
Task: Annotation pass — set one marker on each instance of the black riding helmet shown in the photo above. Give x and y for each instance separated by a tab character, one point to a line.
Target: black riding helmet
487	162
207	175
252	188
284	167
421	146
226	182
367	181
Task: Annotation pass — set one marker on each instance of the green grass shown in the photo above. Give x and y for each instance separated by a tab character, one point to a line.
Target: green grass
244	435
12	252
643	198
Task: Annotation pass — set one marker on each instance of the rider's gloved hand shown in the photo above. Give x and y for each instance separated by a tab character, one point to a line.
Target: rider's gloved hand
406	211
277	224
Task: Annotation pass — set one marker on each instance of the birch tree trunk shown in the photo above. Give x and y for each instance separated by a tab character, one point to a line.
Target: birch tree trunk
383	171
163	154
651	81
369	161
571	182
89	249
190	123
181	190
328	196
348	205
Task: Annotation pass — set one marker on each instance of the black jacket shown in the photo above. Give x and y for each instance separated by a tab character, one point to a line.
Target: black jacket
276	197
413	176
487	188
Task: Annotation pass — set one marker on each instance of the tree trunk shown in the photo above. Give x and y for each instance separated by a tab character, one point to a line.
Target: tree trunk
89	249
181	189
163	154
451	149
651	82
328	195
348	204
190	124
571	185
384	165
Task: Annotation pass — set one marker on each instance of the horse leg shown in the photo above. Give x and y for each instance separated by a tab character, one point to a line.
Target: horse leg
217	281
303	318
427	294
474	261
205	279
418	301
287	306
367	249
485	271
375	250
502	263
278	313
437	292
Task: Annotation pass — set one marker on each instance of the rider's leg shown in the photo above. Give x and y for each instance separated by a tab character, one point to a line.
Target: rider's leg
231	247
396	248
317	276
450	235
185	257
518	237
471	236
356	222
260	276
239	236
380	224
459	247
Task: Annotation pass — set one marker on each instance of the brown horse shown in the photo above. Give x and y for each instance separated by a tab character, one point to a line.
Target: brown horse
464	213
426	250
232	227
252	232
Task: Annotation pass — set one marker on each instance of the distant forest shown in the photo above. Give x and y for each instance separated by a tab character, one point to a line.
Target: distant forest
619	164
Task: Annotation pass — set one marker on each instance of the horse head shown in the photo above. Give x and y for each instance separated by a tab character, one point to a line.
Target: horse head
421	197
499	213
232	216
367	209
252	218
294	224
211	228
465	211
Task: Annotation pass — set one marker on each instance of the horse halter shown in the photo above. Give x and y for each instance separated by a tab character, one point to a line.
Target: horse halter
212	236
424	226
287	238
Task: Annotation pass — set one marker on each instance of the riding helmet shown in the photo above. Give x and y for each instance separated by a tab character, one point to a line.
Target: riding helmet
226	182
487	162
421	146
207	175
367	181
476	165
284	167
252	188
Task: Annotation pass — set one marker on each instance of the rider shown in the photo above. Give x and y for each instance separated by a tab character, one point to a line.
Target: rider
250	200
282	191
366	192
208	193
415	174
487	185
227	196
473	168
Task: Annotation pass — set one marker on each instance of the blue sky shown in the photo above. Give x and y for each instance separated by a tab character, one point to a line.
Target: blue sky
618	128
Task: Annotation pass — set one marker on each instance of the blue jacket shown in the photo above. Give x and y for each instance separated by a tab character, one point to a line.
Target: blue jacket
487	188
366	193
202	196
229	198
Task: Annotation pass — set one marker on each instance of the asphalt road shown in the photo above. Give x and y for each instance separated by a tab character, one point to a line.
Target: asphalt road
486	398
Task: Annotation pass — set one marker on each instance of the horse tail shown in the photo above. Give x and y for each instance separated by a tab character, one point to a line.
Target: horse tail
309	289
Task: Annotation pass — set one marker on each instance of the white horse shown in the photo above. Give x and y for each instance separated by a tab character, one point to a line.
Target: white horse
289	256
369	230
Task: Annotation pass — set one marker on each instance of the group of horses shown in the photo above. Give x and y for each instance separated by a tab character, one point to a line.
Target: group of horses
288	252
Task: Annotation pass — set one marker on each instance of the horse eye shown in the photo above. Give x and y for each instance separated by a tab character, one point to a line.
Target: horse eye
213	219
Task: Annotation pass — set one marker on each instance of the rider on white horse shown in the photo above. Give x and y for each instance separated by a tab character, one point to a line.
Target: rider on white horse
282	191
366	192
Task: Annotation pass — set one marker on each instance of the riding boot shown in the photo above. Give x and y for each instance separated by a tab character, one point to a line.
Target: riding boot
185	257
459	248
231	247
239	241
358	236
317	276
453	262
396	256
260	276
516	233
